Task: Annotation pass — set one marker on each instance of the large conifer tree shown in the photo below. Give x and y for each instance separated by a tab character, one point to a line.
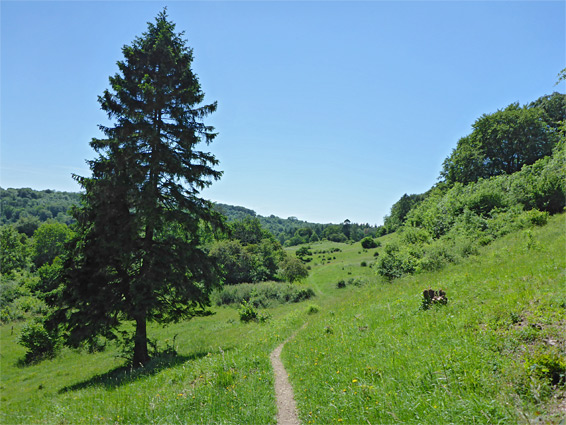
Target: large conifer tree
138	252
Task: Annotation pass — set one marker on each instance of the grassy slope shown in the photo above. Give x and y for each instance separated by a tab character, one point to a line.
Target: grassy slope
222	375
375	357
369	355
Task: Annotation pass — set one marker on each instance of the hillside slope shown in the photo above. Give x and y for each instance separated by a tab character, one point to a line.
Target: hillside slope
369	354
494	354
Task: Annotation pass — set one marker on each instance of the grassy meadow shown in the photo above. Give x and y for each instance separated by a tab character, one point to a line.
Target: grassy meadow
368	354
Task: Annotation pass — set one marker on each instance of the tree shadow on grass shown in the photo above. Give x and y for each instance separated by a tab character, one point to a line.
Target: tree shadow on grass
125	374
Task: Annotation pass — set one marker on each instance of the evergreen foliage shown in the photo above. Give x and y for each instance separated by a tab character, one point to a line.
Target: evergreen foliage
137	254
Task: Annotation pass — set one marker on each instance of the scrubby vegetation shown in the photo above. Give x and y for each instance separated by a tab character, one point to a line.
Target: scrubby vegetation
509	174
263	295
452	223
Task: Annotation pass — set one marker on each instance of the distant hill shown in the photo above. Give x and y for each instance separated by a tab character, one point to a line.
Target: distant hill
26	203
28	208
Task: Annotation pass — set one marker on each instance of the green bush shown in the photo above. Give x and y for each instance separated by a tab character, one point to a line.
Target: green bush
368	243
292	270
437	256
398	261
536	217
550	367
40	344
247	312
313	309
414	235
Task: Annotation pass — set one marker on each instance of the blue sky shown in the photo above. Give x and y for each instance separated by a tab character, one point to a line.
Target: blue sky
326	110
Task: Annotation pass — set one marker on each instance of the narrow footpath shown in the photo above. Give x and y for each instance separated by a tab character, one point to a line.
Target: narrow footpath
286	407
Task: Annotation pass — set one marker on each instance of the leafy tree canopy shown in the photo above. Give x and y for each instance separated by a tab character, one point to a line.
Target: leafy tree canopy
399	211
13	250
505	141
18	205
49	242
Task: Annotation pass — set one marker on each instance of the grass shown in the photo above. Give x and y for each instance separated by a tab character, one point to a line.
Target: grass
221	371
375	357
367	355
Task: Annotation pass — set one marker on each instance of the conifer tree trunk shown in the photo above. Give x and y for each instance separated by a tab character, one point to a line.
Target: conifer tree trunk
141	355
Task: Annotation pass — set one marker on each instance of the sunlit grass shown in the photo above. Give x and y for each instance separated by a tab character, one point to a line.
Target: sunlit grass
375	357
222	374
369	354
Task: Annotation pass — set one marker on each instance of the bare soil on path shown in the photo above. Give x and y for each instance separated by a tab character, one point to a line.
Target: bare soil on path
286	407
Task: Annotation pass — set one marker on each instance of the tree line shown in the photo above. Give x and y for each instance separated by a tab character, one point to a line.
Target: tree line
27	209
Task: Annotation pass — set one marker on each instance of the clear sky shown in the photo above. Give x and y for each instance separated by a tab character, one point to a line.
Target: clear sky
326	110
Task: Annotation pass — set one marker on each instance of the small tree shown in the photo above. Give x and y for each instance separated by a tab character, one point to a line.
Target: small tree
369	242
13	250
137	254
40	343
292	269
49	242
303	254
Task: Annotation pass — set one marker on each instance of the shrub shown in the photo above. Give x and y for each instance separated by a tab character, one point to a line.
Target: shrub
303	253
40	344
414	235
368	243
536	217
313	309
436	256
363	264
247	312
357	281
292	269
549	367
341	284
261	294
397	261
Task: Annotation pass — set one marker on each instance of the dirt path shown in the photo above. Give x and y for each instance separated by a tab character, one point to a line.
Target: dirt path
286	407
